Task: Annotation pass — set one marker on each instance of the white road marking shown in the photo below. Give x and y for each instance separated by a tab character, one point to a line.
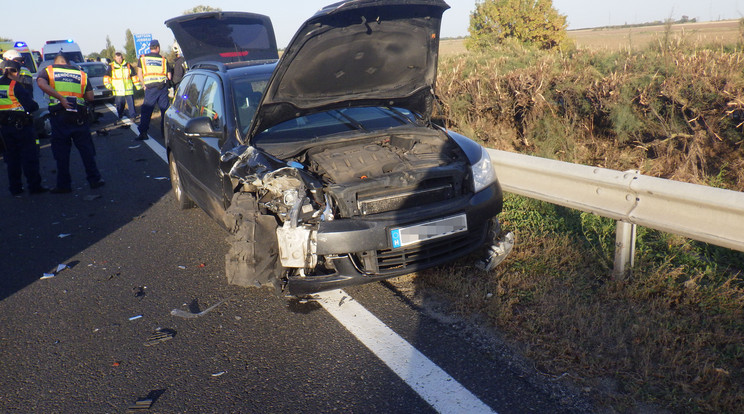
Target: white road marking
152	143
435	386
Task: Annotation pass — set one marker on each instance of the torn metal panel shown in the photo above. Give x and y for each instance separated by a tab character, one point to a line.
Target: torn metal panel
297	246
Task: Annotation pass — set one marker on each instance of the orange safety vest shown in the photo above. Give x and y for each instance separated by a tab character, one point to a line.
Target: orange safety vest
8	100
68	82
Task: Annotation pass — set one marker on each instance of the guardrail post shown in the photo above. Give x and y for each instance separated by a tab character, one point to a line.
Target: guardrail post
624	250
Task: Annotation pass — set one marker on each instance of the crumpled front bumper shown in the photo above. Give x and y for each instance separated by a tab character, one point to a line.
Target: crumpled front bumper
344	241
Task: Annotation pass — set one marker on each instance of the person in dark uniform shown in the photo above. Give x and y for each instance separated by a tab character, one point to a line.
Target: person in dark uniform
16	126
179	66
154	73
68	89
25	77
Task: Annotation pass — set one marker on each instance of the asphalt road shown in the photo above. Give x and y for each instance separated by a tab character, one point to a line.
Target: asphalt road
80	341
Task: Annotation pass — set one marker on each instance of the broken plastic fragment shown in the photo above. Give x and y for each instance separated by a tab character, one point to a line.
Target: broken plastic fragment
55	272
497	252
184	314
182	267
135	317
141	404
135	146
161	178
63	235
217	374
160	335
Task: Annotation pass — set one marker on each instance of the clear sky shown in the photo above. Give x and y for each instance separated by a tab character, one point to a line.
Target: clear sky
89	22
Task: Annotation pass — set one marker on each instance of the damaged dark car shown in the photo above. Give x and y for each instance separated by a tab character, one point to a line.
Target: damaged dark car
325	165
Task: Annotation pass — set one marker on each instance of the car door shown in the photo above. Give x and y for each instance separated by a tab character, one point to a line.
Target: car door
182	148
205	149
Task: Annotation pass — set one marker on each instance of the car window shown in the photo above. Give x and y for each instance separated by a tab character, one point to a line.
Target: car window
180	95
190	97
336	121
70	56
247	95
94	71
210	103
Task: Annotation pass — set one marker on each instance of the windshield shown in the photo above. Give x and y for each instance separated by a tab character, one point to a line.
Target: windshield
336	121
94	71
247	95
71	56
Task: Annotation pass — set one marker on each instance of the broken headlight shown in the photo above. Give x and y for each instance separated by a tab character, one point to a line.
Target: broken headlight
483	173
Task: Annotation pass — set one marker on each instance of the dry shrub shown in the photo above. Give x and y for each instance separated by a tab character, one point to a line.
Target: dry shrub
677	114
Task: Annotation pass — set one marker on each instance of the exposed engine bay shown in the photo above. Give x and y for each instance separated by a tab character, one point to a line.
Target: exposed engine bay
355	178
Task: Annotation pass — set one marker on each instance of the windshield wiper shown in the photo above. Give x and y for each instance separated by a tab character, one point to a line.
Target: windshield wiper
348	120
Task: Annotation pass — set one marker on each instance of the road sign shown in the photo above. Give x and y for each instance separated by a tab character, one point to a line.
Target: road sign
142	43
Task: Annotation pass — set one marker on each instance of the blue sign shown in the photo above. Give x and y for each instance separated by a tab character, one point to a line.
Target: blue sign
142	43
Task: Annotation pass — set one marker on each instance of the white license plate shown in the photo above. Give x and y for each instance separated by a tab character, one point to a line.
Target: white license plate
403	236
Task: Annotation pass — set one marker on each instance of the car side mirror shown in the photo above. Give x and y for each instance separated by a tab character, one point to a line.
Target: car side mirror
200	127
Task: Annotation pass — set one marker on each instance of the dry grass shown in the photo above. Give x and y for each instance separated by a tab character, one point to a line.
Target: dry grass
613	110
639	38
672	335
721	33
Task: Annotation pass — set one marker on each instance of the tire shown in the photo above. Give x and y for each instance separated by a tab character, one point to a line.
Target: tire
253	258
182	200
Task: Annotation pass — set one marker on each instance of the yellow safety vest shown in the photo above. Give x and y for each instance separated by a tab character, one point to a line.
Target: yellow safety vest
154	69
121	80
8	100
68	82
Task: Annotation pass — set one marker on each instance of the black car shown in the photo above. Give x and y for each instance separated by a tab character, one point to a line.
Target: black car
325	165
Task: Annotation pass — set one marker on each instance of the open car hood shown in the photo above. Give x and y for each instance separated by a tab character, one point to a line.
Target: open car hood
357	53
224	37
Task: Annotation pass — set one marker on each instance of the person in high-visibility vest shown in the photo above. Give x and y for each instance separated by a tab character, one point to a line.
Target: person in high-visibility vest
69	90
154	73
25	77
16	127
122	78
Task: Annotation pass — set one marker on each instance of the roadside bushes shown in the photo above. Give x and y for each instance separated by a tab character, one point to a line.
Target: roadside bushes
676	114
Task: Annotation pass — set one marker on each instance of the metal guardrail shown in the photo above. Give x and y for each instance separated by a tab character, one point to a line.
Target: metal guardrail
707	214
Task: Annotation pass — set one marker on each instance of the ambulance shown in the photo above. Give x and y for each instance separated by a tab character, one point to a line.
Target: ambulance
66	47
28	58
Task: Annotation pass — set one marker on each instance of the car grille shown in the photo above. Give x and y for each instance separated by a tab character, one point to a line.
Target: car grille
419	256
398	199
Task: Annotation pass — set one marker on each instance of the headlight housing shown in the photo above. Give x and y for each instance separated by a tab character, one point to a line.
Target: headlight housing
483	172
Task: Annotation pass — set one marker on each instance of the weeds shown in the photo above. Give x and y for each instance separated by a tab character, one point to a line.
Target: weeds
671	334
672	113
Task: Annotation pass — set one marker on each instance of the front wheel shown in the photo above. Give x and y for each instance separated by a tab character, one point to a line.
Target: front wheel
183	200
